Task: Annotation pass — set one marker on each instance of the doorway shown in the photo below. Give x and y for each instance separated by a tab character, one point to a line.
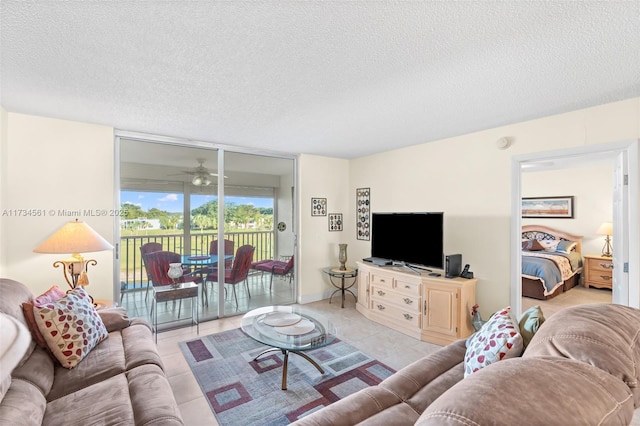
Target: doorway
623	156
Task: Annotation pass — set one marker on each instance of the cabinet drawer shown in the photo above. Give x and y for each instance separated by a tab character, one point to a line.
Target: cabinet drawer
405	301
380	280
407	287
600	276
408	318
599	266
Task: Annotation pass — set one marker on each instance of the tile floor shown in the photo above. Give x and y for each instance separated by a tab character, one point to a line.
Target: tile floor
386	345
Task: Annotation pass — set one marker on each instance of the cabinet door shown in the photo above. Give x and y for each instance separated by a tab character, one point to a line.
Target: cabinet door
441	309
363	286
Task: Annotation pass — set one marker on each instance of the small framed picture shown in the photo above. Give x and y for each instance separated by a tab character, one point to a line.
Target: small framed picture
318	207
335	221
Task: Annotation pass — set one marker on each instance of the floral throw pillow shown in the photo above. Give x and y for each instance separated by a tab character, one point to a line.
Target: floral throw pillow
71	326
498	339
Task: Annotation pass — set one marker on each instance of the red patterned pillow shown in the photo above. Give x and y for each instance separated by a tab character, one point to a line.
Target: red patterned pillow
71	327
53	294
498	339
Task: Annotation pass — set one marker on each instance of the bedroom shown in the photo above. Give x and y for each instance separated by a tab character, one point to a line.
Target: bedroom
590	183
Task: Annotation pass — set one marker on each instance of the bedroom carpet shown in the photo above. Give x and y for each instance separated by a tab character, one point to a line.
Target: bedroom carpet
241	391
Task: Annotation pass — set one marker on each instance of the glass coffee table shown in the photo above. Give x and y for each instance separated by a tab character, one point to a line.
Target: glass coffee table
289	329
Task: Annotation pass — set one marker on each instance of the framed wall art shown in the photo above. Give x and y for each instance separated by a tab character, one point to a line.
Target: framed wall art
318	207
548	207
335	221
363	209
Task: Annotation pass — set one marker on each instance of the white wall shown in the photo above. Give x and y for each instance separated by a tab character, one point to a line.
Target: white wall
55	165
592	188
468	178
321	177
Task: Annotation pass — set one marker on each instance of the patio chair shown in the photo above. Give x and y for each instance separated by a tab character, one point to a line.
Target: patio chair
145	249
239	270
275	267
157	264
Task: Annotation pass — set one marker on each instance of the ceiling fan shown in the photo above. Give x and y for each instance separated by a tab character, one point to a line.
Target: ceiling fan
201	175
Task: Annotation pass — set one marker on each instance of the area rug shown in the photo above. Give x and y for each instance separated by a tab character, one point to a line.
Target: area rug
241	391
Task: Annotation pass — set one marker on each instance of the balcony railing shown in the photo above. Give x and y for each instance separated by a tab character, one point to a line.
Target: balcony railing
134	277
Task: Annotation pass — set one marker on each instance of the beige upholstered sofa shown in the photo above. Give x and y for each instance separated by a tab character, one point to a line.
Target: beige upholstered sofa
582	367
120	382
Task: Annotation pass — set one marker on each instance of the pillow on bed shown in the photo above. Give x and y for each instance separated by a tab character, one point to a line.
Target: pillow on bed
532	245
550	245
565	246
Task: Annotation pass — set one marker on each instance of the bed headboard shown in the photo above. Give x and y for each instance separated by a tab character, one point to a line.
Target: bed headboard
540	232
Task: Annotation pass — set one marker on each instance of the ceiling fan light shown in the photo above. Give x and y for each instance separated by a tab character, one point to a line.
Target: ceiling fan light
197	180
206	180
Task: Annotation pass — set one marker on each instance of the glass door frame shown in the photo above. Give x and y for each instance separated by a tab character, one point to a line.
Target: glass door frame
220	150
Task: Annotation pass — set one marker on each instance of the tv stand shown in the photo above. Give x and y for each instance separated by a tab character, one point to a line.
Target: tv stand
433	309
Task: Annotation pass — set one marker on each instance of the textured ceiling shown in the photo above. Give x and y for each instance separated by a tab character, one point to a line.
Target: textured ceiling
338	78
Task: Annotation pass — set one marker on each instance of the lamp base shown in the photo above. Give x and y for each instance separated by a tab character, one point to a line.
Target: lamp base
607	249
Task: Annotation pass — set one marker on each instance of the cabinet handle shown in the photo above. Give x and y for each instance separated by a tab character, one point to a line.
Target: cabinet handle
382	281
407	301
605	277
381	308
408	317
425	307
407	286
381	293
606	265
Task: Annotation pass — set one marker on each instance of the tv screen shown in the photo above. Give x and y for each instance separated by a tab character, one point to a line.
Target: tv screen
411	238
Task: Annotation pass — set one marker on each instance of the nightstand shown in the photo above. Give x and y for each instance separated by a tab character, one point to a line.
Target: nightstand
598	271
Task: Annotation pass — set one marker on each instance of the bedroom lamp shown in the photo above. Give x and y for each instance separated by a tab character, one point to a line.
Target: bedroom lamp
606	229
74	237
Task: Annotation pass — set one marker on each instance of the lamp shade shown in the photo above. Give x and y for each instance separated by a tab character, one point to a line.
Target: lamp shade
605	229
74	237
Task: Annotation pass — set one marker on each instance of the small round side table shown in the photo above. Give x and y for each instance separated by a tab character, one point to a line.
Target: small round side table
343	284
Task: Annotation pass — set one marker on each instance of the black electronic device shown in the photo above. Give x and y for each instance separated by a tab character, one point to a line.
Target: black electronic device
453	263
434	274
411	239
466	273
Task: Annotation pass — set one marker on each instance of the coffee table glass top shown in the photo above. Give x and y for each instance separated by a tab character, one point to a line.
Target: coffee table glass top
289	328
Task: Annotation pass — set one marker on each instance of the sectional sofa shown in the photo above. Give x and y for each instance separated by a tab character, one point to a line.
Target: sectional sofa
121	380
581	367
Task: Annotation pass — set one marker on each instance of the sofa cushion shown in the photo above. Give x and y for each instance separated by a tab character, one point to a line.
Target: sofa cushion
536	391
137	397
424	380
24	404
498	339
70	326
114	319
601	334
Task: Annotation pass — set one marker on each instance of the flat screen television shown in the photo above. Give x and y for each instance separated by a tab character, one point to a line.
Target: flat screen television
414	239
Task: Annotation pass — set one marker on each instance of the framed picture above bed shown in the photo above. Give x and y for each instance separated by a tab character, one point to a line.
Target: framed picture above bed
548	207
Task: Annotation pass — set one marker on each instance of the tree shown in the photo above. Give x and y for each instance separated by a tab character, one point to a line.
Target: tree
201	221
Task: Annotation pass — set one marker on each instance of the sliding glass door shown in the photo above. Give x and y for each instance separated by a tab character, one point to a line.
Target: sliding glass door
203	204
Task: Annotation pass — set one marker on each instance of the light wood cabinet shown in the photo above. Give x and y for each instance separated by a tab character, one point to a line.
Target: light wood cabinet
432	309
598	271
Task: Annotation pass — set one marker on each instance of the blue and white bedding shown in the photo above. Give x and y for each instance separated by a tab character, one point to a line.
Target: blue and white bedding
551	268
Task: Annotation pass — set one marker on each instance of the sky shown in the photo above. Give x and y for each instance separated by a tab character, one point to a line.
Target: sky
172	202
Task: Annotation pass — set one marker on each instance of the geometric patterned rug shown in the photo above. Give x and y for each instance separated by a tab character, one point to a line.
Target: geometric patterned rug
241	391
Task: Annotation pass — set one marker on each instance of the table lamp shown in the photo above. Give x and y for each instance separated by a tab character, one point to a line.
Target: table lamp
606	229
74	237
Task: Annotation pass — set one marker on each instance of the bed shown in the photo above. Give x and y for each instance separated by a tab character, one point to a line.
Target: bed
552	269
